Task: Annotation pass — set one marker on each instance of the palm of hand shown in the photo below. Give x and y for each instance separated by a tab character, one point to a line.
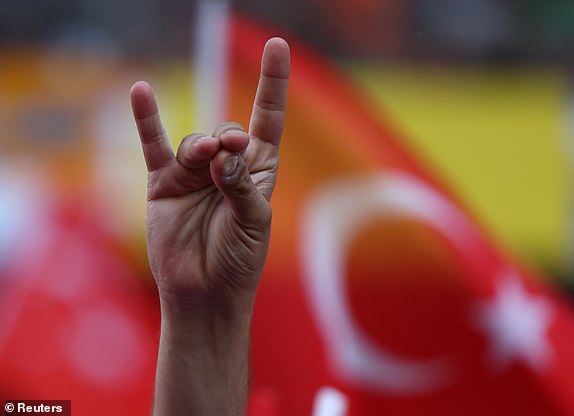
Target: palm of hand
195	241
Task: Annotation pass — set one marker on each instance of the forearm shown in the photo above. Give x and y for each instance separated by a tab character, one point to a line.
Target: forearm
203	361
208	219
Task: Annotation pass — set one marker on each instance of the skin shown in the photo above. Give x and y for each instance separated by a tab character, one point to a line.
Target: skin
208	223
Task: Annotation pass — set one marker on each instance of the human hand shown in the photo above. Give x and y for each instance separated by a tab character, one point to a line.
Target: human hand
208	212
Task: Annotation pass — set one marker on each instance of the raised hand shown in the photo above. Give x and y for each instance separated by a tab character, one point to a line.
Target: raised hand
208	221
208	212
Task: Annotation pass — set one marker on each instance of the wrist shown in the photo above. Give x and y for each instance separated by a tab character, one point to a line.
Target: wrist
204	345
206	322
222	304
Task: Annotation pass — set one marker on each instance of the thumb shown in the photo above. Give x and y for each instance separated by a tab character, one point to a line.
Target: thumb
231	176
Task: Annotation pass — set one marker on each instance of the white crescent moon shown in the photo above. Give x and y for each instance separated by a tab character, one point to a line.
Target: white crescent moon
331	217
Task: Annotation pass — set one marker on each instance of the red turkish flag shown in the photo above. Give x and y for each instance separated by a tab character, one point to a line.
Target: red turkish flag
382	294
76	324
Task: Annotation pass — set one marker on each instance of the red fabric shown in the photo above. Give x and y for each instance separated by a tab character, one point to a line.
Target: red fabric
421	281
419	284
76	324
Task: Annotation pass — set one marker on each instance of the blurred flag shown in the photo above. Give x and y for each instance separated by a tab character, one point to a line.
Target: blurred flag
76	324
77	321
382	295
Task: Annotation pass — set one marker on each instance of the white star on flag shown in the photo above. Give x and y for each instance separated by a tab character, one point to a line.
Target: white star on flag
516	325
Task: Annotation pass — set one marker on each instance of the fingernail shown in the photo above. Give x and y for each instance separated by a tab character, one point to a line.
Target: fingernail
234	131
201	139
230	165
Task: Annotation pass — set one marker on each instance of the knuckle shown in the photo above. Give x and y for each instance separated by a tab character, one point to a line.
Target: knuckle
185	153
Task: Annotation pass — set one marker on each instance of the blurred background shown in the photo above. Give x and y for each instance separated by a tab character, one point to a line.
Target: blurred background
480	91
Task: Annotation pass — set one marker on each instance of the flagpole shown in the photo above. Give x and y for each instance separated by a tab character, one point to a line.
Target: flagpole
211	63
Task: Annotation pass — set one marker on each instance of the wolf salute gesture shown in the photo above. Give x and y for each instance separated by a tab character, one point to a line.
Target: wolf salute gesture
208	223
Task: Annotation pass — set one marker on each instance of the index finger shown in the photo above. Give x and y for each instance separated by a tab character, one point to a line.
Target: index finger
155	144
268	115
